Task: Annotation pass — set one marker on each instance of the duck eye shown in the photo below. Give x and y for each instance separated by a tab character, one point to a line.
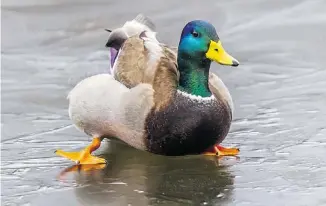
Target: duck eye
195	34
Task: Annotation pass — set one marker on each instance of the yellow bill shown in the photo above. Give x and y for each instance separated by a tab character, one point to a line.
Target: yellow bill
217	53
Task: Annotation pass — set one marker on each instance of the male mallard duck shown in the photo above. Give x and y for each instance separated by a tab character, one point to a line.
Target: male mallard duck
173	107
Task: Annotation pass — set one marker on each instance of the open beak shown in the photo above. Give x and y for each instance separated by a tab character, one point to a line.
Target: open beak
217	53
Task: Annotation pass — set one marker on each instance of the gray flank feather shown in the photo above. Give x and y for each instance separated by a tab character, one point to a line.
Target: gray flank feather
141	18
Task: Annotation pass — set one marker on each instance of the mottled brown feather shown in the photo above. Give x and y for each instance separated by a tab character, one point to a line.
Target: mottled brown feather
131	63
165	83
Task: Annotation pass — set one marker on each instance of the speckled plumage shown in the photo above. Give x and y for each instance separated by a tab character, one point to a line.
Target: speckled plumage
188	125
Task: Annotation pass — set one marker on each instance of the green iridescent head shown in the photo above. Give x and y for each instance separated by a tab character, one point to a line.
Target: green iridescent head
199	40
199	46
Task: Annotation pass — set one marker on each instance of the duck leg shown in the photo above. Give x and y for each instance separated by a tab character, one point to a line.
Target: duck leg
222	151
84	156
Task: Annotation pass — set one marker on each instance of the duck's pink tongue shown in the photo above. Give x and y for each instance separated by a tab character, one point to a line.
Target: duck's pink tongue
113	55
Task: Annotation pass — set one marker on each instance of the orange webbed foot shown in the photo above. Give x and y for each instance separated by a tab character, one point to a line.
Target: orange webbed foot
218	150
84	157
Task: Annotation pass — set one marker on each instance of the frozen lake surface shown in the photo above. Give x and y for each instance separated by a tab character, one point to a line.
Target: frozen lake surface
278	90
